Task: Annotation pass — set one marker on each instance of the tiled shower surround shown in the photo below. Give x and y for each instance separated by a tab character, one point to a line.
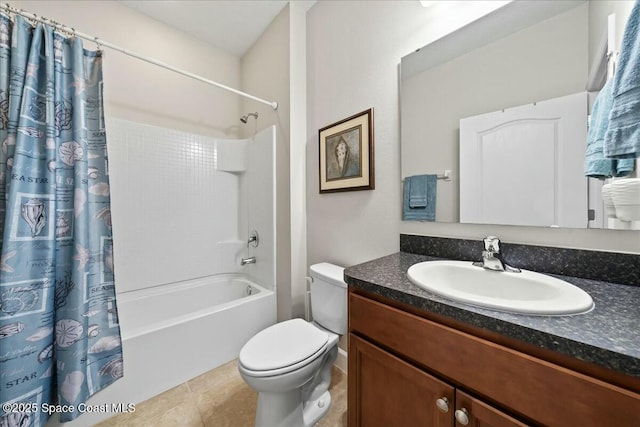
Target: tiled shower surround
169	204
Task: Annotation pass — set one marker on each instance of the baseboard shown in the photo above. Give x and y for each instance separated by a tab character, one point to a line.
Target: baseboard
341	360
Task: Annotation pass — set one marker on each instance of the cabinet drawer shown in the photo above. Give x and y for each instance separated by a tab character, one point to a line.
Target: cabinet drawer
533	388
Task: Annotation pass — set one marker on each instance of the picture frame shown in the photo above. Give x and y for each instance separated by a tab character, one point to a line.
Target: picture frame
346	154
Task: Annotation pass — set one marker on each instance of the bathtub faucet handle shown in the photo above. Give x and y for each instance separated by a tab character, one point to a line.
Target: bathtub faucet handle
250	260
254	239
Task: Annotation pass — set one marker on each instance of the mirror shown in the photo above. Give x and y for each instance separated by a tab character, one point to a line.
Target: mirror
524	53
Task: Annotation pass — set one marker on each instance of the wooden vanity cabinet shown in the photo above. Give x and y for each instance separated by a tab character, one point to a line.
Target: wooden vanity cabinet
401	364
391	392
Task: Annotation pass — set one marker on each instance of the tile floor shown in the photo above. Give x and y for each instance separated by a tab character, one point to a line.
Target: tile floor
218	398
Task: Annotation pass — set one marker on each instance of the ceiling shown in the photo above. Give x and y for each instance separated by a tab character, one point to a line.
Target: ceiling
231	25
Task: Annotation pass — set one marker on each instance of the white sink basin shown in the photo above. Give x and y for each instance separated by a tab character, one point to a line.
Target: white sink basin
525	292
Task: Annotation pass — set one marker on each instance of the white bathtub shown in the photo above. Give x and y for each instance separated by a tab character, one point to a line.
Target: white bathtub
175	332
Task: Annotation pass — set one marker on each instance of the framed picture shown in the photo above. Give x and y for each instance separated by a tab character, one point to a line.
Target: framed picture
346	154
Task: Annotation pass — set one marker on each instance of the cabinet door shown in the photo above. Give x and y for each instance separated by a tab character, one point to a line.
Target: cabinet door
386	391
475	413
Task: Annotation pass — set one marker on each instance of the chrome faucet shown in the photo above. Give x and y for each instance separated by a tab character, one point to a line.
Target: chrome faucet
250	260
491	258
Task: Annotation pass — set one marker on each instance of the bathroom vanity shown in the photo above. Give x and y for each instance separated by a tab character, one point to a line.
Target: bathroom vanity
419	359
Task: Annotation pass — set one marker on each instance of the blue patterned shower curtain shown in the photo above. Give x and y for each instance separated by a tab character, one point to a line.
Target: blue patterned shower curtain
59	334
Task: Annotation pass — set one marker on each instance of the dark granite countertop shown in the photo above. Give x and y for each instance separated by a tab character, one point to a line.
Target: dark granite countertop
608	335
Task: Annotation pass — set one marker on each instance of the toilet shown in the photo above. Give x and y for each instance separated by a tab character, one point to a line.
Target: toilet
289	363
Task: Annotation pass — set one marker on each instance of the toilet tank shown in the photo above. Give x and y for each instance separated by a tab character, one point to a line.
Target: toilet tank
329	297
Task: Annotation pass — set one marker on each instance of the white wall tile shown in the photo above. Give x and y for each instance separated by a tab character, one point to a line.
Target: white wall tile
169	204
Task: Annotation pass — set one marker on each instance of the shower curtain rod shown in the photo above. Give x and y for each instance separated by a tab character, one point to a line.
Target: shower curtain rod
100	43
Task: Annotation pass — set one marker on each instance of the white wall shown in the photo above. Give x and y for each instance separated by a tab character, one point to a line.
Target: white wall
265	73
275	68
298	153
142	92
353	52
354	49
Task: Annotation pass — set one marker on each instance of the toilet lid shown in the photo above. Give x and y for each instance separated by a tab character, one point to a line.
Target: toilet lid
281	345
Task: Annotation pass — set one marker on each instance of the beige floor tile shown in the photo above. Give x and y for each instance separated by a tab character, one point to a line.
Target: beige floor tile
184	415
151	409
232	406
218	398
124	420
337	416
216	378
164	401
128	419
227	416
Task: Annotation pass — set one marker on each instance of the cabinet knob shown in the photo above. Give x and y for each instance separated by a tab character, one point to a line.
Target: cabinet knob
443	404
462	416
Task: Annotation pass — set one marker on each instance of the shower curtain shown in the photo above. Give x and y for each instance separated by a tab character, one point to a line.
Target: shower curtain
59	334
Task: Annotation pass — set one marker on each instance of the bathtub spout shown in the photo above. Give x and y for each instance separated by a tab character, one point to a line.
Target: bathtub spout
250	260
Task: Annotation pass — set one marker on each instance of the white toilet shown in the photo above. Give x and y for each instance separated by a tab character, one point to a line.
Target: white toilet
289	363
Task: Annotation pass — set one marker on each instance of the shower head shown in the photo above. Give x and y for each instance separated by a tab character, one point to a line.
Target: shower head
244	118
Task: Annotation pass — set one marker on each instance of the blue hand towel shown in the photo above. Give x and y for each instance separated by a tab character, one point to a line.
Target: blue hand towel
422	189
418	187
622	140
595	164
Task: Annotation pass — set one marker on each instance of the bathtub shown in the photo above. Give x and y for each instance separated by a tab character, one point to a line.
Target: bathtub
175	332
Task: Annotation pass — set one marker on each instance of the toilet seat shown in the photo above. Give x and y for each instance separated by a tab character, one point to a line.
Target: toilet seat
282	348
